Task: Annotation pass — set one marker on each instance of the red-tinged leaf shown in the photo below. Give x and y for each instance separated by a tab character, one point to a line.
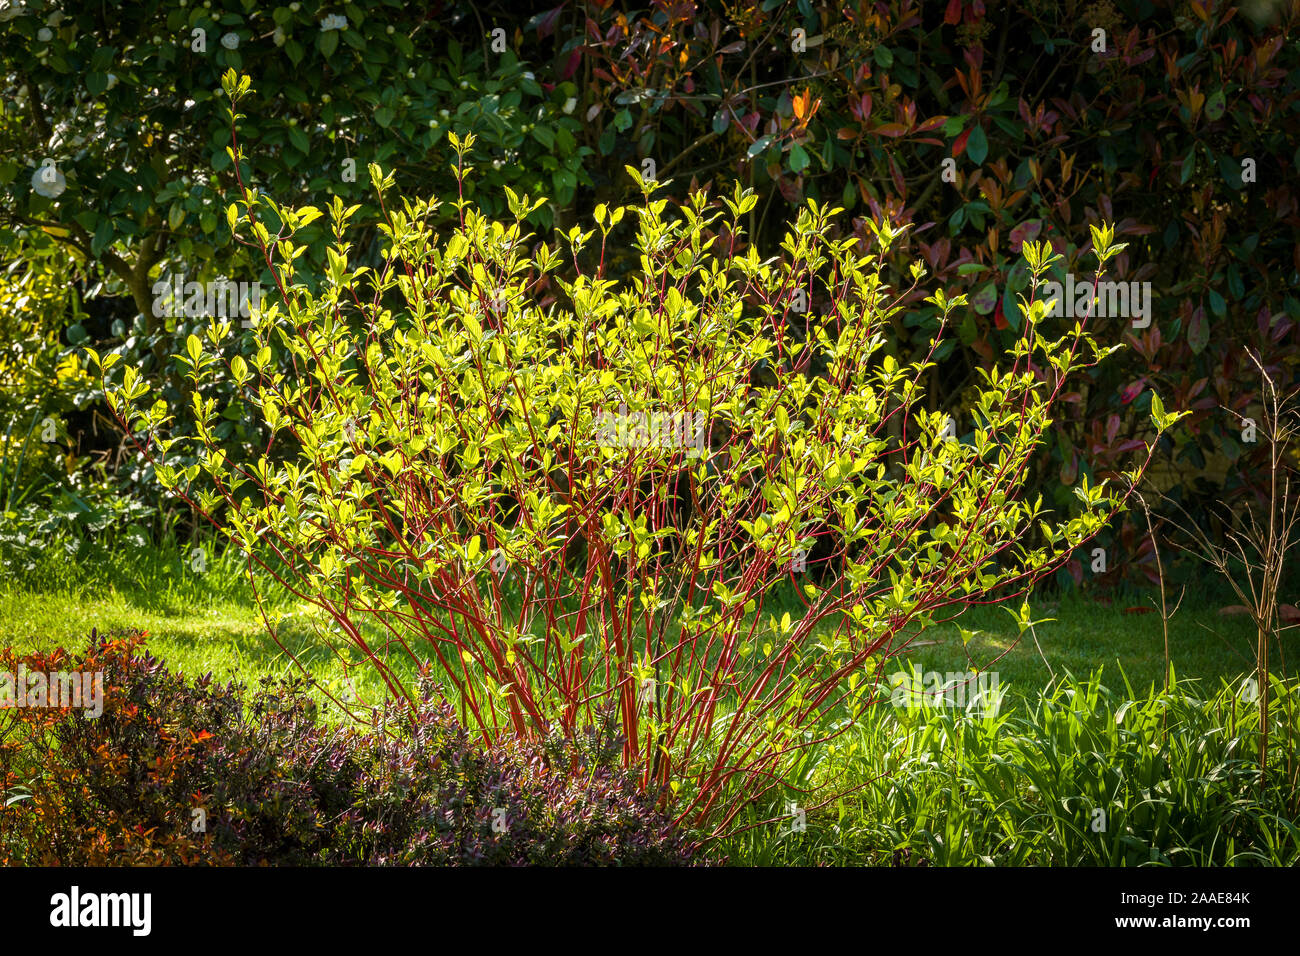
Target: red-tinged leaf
1027	231
999	319
1070	469
933	123
571	67
953	13
546	25
1289	613
896	174
959	144
847	132
892	130
1198	331
1133	391
733	47
1075	567
1139	610
1262	319
1232	609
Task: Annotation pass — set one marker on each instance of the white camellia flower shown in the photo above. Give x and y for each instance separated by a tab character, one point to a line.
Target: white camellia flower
570	104
112	80
278	36
45	34
10	9
230	41
49	181
54	19
335	21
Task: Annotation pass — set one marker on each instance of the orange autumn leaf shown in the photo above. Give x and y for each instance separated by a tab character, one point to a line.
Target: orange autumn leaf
805	106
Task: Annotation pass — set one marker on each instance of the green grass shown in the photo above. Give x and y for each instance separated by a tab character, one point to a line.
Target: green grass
200	622
1084	636
1079	776
197	622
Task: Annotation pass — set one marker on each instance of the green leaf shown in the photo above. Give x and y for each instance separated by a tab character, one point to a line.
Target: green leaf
798	159
986	299
1158	416
1215	105
103	237
1217	304
977	146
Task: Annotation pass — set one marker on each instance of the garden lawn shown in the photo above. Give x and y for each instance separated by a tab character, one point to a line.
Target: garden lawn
200	622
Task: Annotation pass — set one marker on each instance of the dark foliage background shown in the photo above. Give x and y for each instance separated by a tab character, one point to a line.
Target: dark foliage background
1178	121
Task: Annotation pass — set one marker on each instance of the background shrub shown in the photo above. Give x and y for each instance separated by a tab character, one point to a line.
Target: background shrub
1047	124
1047	129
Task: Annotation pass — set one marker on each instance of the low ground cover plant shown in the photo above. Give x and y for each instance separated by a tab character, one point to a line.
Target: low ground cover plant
191	772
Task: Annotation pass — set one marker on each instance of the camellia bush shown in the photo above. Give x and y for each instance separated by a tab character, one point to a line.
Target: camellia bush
598	503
